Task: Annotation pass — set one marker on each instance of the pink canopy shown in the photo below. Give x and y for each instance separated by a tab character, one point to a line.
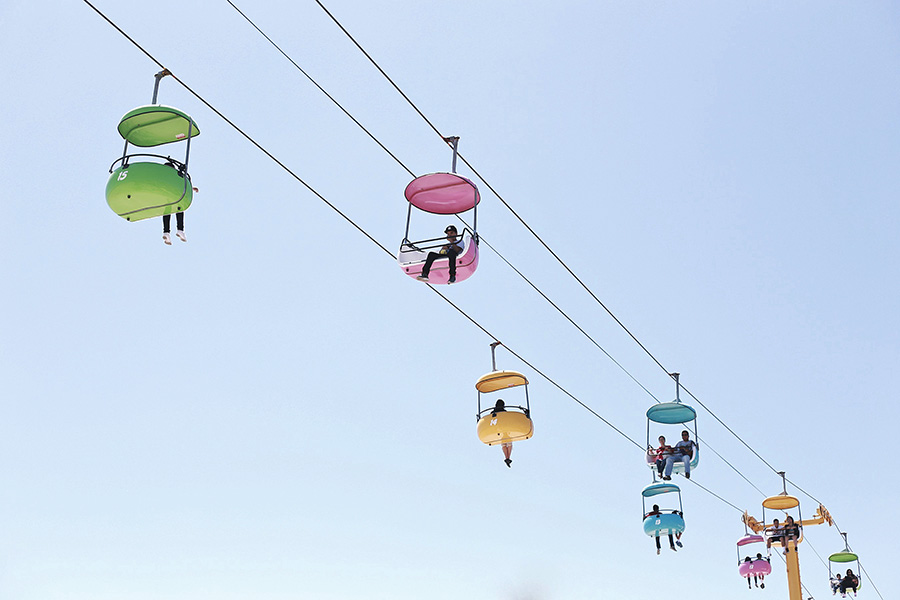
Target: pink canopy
442	193
750	539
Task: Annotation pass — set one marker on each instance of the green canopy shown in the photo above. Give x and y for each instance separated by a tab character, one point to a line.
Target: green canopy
154	125
843	557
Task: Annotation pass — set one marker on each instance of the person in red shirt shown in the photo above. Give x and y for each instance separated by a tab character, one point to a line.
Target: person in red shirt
662	453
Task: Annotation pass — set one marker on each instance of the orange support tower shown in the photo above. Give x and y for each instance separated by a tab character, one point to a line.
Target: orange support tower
787	535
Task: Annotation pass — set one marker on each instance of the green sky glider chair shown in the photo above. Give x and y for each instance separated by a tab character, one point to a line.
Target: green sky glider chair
139	188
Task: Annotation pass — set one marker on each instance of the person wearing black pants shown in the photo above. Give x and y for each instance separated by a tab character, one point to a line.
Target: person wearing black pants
654	513
449	251
179	217
179	227
850	581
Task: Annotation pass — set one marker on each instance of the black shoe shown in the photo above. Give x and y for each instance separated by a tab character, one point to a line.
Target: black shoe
667	478
508	462
687	475
452	279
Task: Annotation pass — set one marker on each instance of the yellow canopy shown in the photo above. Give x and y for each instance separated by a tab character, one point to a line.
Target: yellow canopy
499	380
780	502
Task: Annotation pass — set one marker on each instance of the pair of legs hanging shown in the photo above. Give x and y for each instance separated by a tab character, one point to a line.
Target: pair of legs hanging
671	543
757	581
507	453
670	463
451	255
179	227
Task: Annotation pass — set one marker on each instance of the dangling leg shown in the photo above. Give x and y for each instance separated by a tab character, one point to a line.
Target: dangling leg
670	462
452	256
179	225
167	221
678	539
507	451
660	466
657	544
426	268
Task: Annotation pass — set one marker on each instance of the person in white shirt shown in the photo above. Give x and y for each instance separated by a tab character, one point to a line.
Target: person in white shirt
684	452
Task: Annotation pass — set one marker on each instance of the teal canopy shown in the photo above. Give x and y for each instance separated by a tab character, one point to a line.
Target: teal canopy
671	413
655	489
154	125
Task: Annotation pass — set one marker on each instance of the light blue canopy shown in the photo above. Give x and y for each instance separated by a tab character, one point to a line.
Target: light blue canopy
654	489
671	413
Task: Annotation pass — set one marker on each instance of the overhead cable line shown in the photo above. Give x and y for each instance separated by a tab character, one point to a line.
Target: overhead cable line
844	535
534	233
816	552
550	250
841	532
730	430
241	131
709	491
370	237
733	468
496	193
805	589
503	258
349	220
412	174
866	573
482	238
562	262
321	89
572	321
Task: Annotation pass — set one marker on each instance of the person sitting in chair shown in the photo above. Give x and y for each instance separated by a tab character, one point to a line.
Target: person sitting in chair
683	453
450	251
662	453
654	513
179	216
500	406
791	532
850	581
774	533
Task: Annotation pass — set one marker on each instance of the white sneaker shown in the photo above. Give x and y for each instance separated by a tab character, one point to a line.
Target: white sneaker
422	277
180	235
167	239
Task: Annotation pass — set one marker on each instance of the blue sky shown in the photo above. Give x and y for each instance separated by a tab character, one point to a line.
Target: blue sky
273	410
